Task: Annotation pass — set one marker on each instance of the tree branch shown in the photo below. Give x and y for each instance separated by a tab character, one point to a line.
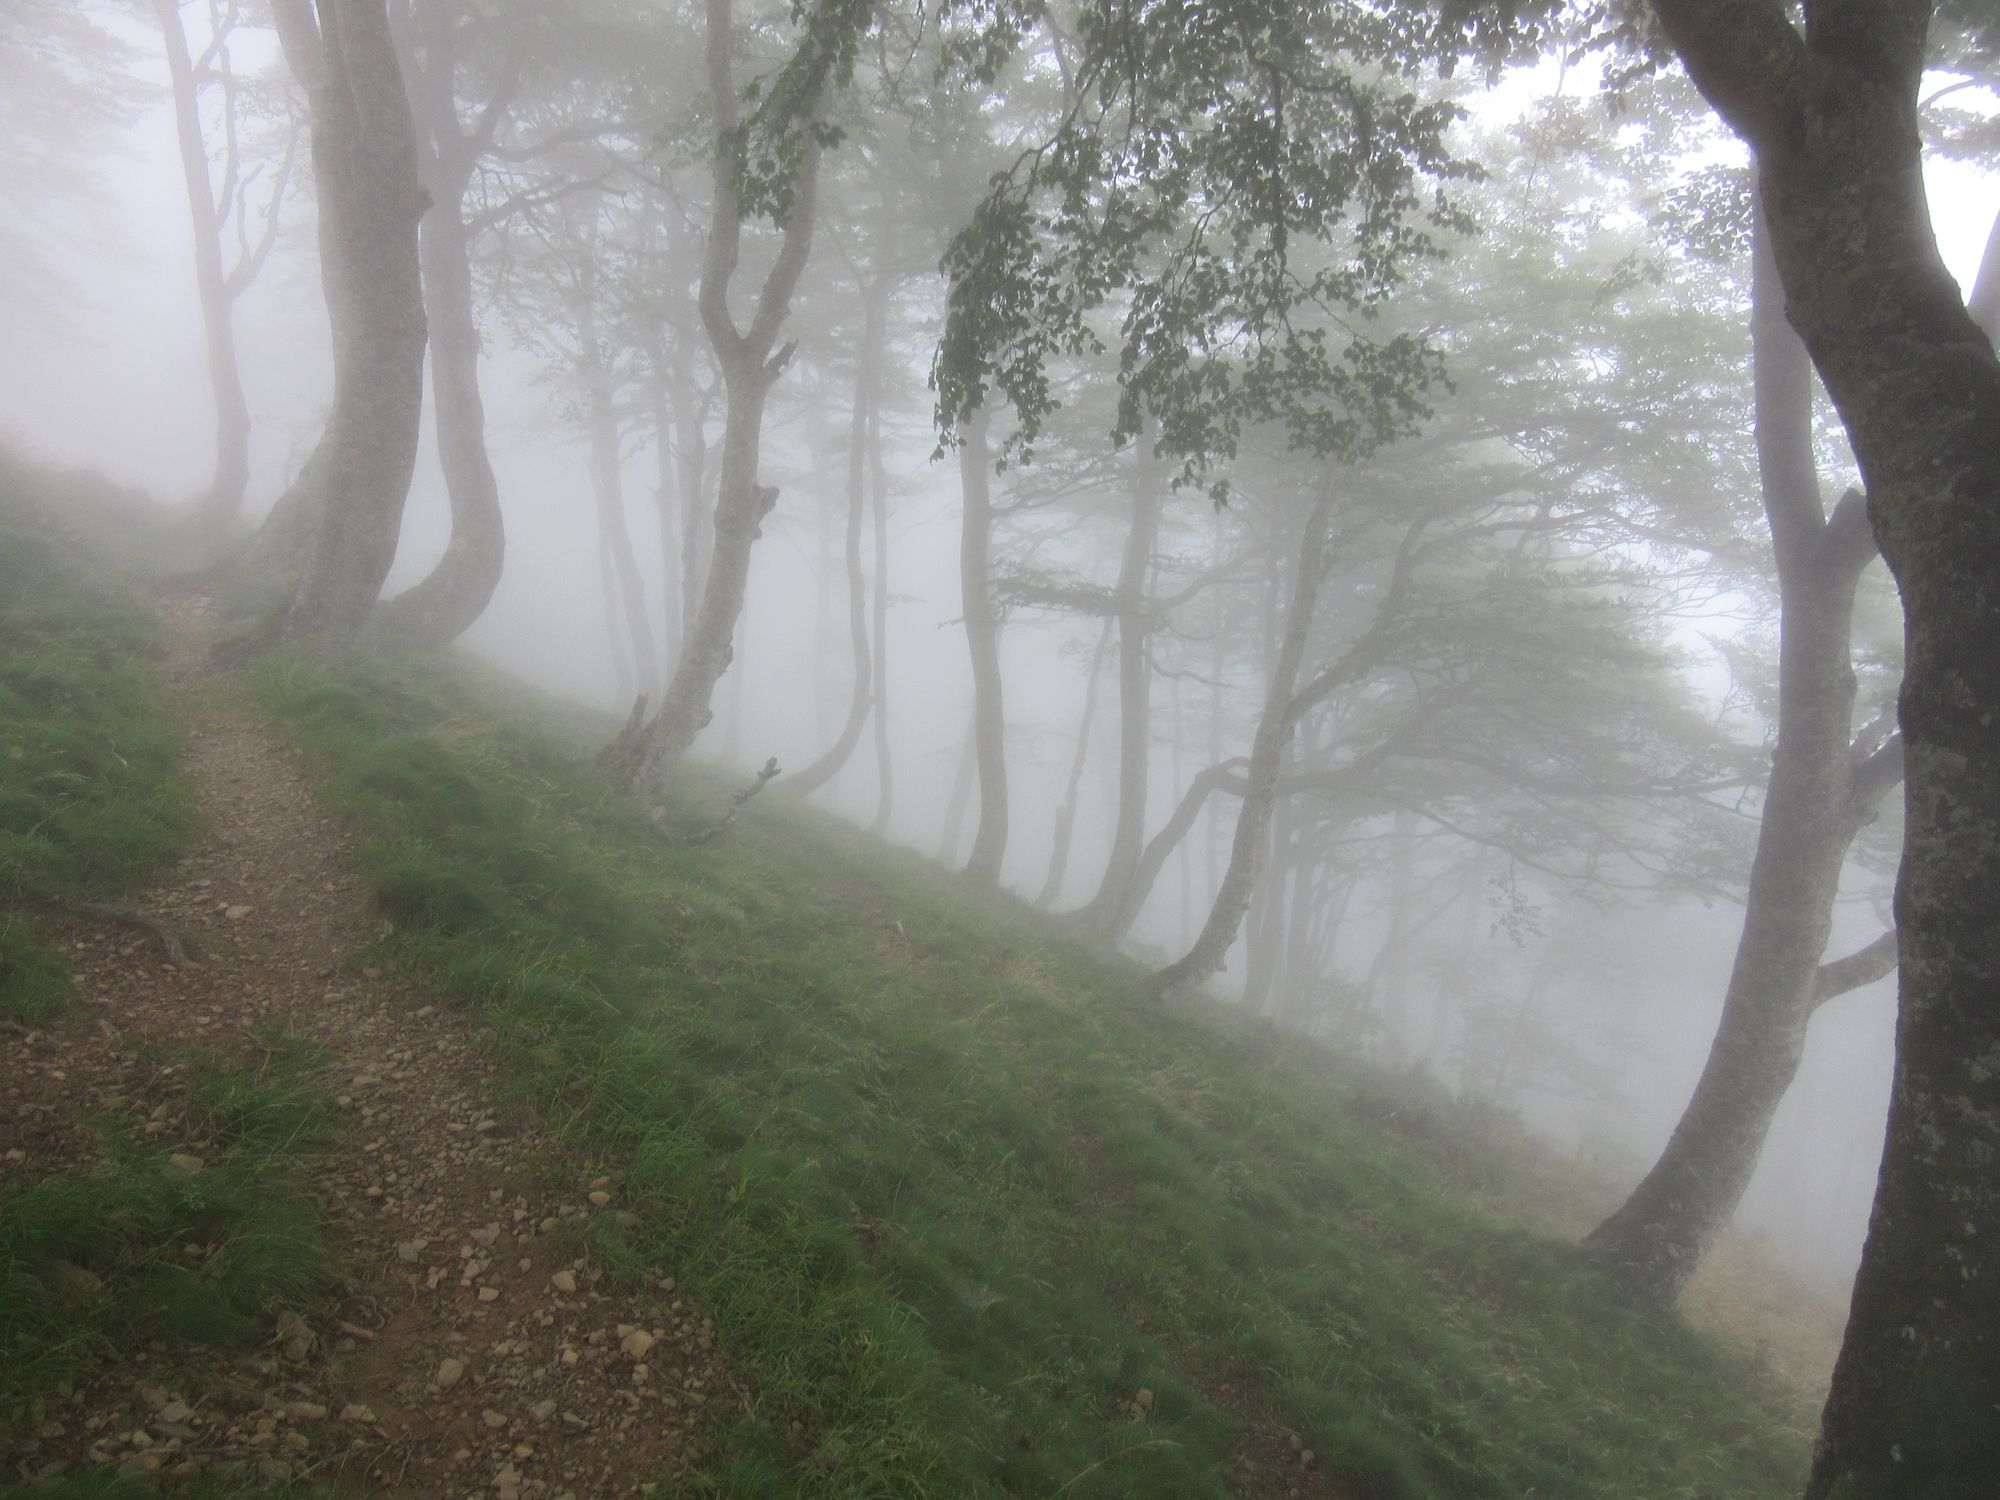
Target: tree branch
1745	57
1863	966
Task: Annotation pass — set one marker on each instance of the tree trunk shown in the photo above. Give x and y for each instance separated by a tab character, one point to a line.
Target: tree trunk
667	500
960	796
1832	120
365	164
1656	1240
1066	813
441	606
867	380
982	639
749	369
878	479
607	485
225	377
1106	911
1267	753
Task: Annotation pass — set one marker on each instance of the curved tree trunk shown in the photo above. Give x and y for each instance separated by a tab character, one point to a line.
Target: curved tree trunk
982	639
1274	733
1812	811
1832	119
867	380
365	164
442	605
1106	911
749	370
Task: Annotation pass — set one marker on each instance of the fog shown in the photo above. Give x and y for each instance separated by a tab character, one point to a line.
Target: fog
1564	964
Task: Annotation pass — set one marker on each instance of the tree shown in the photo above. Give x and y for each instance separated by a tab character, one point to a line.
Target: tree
364	154
750	361
217	210
1830	113
1824	787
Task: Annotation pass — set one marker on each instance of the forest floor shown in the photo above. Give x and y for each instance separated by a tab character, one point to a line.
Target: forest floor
476	1347
492	1140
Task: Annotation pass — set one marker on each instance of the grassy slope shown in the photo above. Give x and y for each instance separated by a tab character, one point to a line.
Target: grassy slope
956	1194
93	802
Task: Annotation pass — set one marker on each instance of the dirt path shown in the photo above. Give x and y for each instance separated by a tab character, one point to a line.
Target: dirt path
480	1351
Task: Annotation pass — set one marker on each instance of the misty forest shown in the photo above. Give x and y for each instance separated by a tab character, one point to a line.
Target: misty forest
975	748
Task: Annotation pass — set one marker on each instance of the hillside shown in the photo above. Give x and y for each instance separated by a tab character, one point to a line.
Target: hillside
955	1209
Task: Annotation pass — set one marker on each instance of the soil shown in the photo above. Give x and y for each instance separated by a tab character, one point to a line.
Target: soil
479	1350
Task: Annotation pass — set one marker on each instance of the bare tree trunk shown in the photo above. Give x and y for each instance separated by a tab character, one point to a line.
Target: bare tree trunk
614	628
1274	732
960	796
749	369
607	484
1133	607
885	776
666	497
867	381
1813	807
365	163
982	638
440	607
1066	812
232	409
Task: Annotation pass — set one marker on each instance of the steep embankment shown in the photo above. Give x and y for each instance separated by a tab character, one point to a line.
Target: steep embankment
971	1216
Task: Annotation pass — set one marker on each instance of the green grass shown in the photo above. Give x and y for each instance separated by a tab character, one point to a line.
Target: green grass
955	1192
200	1251
93	800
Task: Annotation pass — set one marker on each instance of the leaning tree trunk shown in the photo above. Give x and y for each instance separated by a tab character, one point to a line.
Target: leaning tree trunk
878	481
982	639
1107	909
867	381
443	604
1267	753
1066	810
1815	803
1832	119
365	164
749	370
225	377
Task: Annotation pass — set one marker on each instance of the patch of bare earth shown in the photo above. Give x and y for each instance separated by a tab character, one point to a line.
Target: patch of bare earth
479	1351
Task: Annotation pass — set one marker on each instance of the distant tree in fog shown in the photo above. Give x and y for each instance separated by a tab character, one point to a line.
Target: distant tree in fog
221	209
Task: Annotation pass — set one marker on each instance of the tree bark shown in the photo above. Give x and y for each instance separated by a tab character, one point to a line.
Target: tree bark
607	485
1132	604
982	639
1812	811
749	369
231	478
442	605
878	480
1066	812
365	164
867	381
1831	117
1274	733
667	500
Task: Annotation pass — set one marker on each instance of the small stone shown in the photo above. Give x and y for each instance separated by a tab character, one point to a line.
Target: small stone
541	1411
354	1411
411	1250
489	1294
637	1343
237	912
450	1372
493	1419
175	1411
600	1198
563	1281
183	1164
